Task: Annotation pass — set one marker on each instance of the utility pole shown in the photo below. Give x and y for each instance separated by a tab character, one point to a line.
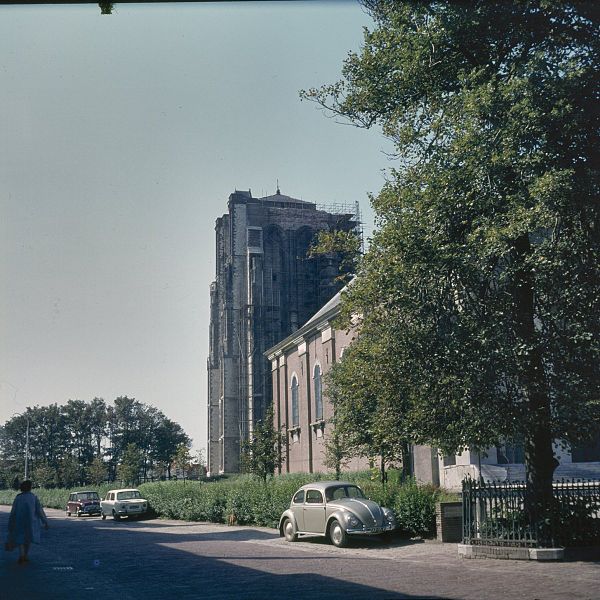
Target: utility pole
26	448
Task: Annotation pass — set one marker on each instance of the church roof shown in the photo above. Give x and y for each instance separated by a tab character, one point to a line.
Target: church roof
284	198
326	309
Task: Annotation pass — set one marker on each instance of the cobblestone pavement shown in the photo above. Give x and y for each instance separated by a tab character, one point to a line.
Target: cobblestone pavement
159	560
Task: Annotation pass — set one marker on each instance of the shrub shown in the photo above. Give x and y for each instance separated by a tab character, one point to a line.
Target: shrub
414	507
212	501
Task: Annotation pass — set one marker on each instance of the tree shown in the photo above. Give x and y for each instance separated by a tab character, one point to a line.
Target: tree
168	436
260	454
157	437
98	423
44	475
369	402
131	465
97	471
69	472
182	459
78	425
336	454
484	267
69	439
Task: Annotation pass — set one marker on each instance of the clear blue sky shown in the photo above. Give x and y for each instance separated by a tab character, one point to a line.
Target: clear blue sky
121	138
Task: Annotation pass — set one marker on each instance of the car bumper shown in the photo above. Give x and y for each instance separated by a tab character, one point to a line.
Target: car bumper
370	530
125	513
89	511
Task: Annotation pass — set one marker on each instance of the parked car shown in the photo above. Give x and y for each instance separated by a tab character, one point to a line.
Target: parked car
335	509
123	503
83	503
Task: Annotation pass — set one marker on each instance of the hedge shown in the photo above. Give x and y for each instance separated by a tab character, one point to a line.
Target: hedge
245	500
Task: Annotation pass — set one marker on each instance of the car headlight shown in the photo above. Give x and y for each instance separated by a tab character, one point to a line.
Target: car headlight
351	520
388	515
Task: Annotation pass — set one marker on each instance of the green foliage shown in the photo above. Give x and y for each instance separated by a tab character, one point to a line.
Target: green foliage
128	472
98	471
414	507
477	301
347	245
66	442
44	475
262	452
69	473
369	409
182	459
249	500
54	497
336	452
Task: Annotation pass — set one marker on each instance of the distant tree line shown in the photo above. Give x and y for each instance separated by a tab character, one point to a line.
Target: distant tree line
81	443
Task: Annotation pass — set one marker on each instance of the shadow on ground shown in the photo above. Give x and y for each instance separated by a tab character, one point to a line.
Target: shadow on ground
148	560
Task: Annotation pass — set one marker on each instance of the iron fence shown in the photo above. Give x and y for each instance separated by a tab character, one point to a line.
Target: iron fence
494	514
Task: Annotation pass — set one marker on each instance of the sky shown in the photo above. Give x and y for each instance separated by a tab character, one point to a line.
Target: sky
121	138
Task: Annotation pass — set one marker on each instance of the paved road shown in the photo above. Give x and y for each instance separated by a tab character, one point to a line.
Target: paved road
159	560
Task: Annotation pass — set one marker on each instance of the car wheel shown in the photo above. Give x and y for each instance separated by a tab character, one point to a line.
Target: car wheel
78	514
337	535
116	517
103	516
288	531
68	513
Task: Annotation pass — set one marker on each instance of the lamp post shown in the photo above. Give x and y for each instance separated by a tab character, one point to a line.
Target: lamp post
27	448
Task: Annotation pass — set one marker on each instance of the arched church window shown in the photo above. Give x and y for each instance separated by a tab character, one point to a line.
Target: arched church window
318	393
295	407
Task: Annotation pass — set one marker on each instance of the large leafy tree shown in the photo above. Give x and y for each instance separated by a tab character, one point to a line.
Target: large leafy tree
156	436
484	266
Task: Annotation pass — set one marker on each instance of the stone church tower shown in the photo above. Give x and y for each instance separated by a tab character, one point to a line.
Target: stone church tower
266	287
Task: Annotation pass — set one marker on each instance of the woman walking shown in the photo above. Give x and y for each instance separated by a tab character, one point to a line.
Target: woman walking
24	521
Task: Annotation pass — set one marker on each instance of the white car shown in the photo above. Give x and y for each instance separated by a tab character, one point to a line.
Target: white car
127	502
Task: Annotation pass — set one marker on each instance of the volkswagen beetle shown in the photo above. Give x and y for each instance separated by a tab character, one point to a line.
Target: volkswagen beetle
335	509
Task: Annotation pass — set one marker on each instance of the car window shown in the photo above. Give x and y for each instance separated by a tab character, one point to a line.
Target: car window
343	491
87	496
299	497
128	495
314	497
354	492
336	493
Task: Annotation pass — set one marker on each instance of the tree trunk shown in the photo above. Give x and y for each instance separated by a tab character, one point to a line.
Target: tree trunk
407	470
382	471
540	462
